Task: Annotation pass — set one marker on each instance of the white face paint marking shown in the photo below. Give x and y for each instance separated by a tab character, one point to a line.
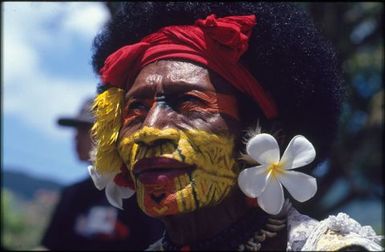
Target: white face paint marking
153	79
186	72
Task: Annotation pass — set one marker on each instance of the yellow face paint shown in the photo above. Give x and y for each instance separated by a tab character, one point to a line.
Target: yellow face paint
211	180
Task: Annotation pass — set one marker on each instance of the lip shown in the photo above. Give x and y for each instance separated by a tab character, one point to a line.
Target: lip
160	164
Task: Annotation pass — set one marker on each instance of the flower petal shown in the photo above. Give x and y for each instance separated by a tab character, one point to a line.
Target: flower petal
299	152
116	193
113	195
271	199
100	181
301	186
125	192
263	148
252	181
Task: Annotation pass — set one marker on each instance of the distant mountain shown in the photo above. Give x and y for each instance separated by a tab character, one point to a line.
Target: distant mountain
26	185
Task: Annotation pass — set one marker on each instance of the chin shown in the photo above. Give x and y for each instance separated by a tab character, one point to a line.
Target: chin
179	194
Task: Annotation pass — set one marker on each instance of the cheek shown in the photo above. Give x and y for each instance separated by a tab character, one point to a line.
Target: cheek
209	189
216	171
127	150
210	152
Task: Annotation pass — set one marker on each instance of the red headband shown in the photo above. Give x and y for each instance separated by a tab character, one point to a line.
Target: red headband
217	43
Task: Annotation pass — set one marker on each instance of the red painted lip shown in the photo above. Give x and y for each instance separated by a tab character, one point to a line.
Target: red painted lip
159	164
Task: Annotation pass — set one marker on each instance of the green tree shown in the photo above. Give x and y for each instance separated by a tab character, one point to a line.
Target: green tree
23	222
356	31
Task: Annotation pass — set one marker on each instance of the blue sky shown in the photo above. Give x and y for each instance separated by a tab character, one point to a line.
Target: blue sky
46	74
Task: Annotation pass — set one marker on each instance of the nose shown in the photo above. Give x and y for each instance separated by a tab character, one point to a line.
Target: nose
77	136
158	125
158	115
152	137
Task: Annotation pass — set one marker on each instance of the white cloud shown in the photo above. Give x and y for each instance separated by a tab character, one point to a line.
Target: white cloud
83	19
32	93
44	101
18	58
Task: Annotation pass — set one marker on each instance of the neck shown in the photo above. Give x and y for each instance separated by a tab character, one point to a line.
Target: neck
206	222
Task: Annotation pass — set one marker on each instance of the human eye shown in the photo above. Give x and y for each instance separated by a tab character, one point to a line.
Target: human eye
188	98
135	111
137	105
188	102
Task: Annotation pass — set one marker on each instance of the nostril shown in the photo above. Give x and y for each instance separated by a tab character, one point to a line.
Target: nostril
152	136
155	142
139	142
159	142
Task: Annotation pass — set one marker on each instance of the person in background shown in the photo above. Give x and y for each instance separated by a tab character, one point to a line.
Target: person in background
83	218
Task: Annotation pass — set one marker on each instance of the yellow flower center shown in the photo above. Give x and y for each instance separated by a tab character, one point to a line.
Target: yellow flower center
275	169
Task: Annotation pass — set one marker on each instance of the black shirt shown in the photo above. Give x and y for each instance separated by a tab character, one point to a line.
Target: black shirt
84	219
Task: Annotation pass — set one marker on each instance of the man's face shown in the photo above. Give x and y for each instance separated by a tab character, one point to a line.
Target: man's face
83	143
178	137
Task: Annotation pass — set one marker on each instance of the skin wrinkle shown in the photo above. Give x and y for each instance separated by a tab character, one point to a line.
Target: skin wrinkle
205	188
216	103
205	102
185	73
197	74
186	78
180	85
154	78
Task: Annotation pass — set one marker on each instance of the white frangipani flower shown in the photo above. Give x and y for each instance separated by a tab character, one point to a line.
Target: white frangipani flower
265	180
114	192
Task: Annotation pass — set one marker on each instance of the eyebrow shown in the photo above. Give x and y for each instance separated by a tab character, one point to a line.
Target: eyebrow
169	88
218	102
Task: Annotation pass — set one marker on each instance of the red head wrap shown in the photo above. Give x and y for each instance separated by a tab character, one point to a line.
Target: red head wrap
217	43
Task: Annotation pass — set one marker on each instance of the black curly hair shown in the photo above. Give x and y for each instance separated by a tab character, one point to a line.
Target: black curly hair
286	54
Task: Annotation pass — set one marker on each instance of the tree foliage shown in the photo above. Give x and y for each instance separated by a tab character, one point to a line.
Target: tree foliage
356	30
23	221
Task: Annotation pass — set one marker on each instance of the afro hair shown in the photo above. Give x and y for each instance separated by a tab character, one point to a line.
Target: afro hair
286	54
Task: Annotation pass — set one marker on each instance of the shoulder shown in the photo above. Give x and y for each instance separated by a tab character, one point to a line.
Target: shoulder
81	186
341	231
298	228
82	191
156	246
333	233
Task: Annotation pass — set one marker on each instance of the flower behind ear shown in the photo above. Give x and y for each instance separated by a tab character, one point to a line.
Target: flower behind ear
115	193
265	181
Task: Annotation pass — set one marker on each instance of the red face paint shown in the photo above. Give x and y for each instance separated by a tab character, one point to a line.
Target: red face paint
191	101
136	109
212	102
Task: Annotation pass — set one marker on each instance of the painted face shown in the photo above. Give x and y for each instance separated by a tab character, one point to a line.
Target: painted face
177	138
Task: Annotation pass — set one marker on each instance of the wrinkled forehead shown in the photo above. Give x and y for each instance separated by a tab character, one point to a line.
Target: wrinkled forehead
178	74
